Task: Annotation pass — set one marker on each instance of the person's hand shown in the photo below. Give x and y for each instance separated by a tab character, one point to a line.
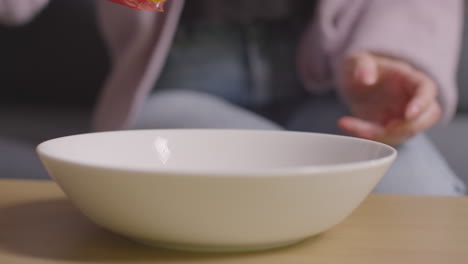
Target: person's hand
390	100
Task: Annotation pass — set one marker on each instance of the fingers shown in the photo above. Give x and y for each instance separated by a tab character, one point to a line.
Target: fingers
424	96
421	90
396	133
368	130
360	128
365	70
362	68
424	121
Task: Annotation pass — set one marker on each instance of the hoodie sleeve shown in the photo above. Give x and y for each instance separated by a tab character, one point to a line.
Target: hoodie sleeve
425	33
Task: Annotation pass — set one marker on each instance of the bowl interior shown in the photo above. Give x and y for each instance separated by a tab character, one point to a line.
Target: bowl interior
213	150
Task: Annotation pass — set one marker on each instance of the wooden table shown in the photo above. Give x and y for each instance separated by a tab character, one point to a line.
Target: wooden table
39	225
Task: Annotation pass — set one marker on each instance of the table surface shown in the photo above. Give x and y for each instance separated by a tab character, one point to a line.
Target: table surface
39	225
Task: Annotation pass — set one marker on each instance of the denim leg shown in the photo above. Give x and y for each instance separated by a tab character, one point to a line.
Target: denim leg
207	58
18	160
192	109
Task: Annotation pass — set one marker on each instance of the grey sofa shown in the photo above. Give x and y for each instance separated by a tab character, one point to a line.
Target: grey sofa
52	70
453	144
451	140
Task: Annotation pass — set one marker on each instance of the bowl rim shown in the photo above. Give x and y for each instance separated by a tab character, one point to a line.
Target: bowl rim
297	170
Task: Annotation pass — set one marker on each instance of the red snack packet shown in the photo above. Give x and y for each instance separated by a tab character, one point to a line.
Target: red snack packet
151	5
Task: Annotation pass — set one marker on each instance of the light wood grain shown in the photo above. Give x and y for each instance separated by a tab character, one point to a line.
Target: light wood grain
38	225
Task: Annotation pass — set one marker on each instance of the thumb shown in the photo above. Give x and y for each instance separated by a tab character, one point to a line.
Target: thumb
363	68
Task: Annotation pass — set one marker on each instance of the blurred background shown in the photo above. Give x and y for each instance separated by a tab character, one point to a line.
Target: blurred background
52	69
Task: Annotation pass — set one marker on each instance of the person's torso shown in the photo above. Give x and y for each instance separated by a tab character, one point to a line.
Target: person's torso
242	53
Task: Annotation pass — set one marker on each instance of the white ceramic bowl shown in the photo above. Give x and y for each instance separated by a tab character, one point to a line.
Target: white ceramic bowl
218	190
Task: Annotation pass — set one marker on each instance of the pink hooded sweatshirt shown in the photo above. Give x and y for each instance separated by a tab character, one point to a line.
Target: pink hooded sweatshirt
425	33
